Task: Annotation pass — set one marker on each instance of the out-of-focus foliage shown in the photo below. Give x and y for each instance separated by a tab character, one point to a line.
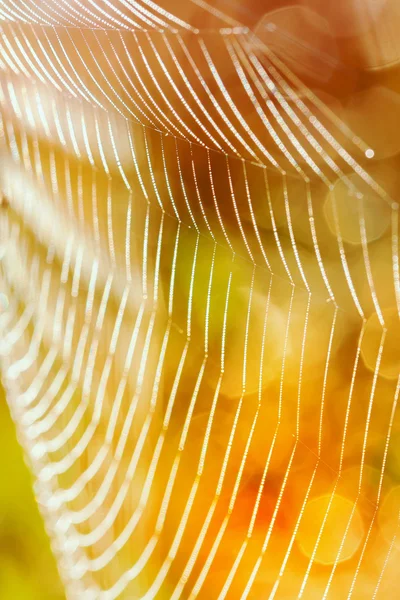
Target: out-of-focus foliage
27	567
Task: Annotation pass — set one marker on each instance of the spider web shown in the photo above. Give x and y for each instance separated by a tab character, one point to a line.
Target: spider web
179	312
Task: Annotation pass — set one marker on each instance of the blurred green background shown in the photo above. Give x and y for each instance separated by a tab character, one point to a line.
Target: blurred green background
27	566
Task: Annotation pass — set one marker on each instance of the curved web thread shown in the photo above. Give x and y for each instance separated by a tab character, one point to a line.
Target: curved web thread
159	335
